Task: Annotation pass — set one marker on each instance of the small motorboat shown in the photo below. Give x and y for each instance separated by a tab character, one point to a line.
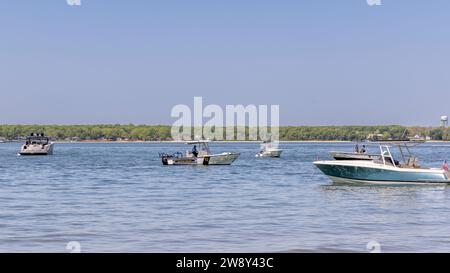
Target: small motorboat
179	158
37	144
201	157
353	156
357	154
269	149
385	169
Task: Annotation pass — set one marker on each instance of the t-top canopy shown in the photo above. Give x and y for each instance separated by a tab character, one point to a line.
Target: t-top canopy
197	142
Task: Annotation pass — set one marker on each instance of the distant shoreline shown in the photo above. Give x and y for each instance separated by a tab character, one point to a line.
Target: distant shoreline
220	141
163	133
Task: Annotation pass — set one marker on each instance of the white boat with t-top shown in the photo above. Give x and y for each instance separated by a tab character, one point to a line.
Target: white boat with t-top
37	144
199	156
385	169
269	149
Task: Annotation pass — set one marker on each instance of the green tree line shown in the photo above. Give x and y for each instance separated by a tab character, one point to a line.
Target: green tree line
163	132
88	132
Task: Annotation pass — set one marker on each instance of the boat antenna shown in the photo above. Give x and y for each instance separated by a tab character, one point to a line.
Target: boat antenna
404	134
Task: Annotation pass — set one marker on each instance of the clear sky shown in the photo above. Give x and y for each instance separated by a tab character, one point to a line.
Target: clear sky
325	62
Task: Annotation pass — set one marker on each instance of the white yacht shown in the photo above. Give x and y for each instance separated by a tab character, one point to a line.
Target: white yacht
199	156
37	144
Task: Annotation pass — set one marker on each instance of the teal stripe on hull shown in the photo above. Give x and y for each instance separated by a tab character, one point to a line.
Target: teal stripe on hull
373	174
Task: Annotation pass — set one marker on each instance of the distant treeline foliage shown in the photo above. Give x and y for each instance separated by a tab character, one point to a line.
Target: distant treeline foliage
162	132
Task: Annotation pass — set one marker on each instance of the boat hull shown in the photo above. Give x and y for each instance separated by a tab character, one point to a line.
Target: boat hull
37	149
216	159
223	159
353	172
185	160
340	180
270	153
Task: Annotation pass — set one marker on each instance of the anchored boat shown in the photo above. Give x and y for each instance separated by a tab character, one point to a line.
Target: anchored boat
37	144
357	154
384	169
269	149
199	156
353	156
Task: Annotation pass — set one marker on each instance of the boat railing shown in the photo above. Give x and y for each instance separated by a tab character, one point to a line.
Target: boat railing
203	146
386	156
407	143
412	163
408	159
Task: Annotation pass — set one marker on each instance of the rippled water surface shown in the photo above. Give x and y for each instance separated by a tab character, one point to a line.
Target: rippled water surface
113	197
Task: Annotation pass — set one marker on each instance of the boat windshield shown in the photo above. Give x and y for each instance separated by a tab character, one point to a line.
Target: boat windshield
37	140
201	146
269	145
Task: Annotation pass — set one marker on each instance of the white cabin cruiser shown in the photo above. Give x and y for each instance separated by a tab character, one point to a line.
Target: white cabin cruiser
37	144
269	149
200	156
385	169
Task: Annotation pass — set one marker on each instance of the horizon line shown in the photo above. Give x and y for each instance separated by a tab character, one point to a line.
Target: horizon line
167	125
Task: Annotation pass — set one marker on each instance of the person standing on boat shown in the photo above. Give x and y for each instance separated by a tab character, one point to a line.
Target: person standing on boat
194	151
363	149
445	166
357	149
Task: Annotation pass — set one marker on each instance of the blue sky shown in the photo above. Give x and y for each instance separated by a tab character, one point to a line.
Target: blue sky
325	62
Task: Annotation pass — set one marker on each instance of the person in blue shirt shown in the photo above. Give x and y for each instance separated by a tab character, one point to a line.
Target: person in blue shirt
194	151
